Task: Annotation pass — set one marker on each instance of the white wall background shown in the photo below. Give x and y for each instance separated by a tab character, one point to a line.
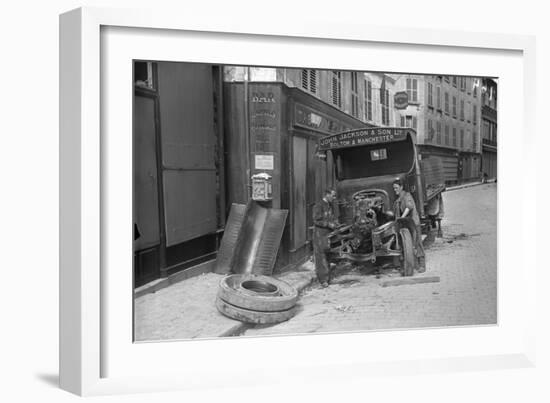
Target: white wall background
29	197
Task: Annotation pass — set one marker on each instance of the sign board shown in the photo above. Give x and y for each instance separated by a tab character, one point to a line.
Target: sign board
401	100
263	161
363	137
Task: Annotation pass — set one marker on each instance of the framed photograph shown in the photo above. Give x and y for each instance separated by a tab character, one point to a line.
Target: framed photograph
236	199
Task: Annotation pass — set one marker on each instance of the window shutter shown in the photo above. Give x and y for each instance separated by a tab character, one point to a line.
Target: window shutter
304	79
313	81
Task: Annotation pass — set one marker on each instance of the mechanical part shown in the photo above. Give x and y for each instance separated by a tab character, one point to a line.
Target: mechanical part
408	260
251	316
257	293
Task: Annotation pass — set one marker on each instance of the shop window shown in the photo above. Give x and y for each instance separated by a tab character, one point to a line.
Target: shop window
143	75
336	88
368	100
309	80
412	89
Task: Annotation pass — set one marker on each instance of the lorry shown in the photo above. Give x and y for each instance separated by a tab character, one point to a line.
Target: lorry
366	163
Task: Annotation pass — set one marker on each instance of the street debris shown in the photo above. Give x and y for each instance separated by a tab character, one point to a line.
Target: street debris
344	308
409	281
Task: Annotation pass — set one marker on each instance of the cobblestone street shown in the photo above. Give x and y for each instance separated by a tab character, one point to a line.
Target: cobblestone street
465	259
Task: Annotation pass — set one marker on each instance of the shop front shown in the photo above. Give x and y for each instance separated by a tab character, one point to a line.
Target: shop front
273	129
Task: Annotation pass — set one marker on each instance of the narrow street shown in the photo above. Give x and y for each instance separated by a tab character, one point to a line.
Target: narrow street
465	259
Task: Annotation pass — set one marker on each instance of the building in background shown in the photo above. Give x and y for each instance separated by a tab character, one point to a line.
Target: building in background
489	128
446	112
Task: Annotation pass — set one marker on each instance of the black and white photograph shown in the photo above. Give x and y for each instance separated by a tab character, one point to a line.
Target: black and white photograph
282	201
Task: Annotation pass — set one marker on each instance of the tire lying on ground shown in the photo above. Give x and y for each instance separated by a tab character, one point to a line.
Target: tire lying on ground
250	316
256	298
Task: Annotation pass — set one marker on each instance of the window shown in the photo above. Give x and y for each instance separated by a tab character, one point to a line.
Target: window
461	109
447	103
430	95
438	132
309	80
380	154
354	95
412	89
474	113
462	138
454	107
143	75
385	106
454	81
438	97
430	135
336	88
475	85
447	79
454	136
462	83
368	100
409	121
446	135
468	112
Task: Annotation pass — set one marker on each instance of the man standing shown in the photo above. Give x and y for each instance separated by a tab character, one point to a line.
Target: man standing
403	207
324	220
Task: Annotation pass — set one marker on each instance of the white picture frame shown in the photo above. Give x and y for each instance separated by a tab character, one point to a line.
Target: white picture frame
87	334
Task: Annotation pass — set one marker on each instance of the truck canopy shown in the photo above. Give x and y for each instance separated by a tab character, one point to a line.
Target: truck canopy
371	152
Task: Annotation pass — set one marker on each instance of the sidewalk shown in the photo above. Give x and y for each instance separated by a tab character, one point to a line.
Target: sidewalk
186	309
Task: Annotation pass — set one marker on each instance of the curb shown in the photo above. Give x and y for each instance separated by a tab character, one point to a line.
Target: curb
467	185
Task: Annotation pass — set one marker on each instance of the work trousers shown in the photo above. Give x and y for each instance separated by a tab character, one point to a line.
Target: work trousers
321	253
419	246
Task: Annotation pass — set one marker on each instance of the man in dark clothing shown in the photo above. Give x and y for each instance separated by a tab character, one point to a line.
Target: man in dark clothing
404	206
324	221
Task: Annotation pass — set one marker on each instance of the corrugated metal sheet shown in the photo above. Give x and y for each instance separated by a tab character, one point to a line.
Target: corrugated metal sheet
254	249
230	238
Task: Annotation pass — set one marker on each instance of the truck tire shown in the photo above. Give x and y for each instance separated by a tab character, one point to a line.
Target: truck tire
407	252
257	293
251	316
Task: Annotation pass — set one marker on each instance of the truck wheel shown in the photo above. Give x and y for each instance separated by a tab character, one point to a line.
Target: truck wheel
252	316
257	293
407	252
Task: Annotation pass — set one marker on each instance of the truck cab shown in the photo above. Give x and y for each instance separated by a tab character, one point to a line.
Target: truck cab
366	163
